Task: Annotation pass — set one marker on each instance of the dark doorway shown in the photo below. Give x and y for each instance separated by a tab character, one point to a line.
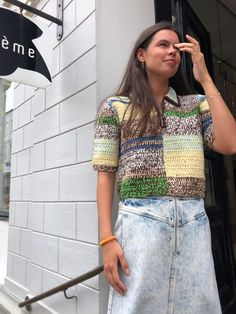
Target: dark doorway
216	199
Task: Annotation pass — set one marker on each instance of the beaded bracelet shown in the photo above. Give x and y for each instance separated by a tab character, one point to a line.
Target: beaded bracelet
212	96
106	240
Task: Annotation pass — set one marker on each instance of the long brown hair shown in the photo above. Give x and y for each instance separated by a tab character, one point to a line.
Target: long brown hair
135	86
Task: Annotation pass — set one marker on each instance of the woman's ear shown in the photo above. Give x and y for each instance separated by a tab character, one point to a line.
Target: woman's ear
140	55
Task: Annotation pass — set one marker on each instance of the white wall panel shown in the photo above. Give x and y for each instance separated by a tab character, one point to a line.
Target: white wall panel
21	214
79	41
83	10
46	124
45	185
23	162
25	243
78	109
60	219
24	113
87	222
61	150
35	216
41	245
78	183
85	136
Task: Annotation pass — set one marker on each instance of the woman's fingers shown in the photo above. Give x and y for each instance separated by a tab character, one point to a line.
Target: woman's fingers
112	256
200	71
192	40
112	275
124	264
116	282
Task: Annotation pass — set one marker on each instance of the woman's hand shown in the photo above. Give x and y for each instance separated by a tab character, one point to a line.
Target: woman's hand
112	256
200	71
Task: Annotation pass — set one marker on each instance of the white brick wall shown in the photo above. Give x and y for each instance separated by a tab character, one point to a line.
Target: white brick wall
51	168
35	216
35	279
65	223
45	251
53	233
61	150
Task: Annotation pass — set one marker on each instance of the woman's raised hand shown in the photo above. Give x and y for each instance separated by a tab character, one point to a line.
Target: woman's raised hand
113	255
200	71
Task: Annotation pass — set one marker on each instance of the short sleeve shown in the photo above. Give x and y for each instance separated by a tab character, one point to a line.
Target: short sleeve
106	139
207	124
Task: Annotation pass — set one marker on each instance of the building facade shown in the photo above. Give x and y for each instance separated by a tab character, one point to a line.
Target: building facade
53	228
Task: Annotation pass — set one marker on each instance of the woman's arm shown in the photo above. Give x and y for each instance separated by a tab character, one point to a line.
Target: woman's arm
111	251
223	122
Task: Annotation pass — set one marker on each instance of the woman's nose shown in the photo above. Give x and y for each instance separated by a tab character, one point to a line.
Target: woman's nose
172	50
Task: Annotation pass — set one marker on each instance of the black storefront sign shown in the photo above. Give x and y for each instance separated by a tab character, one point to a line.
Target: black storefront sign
20	59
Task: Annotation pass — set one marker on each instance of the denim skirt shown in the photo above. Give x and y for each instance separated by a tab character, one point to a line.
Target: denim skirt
167	244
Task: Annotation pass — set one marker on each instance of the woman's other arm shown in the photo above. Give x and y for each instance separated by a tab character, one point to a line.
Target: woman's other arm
111	251
223	122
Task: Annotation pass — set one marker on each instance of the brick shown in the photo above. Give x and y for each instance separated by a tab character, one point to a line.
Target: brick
63	85
78	109
73	79
25	243
85	136
13	164
17	140
21	214
61	150
35	282
57	302
55	61
24	113
87	222
69	18
78	183
45	185
15	118
45	251
89	300
29	92
14	240
28	136
83	9
16	189
26	188
80	40
86	69
23	162
60	219
46	124
38	101
35	216
85	255
37	157
12	213
19	269
9	264
19	95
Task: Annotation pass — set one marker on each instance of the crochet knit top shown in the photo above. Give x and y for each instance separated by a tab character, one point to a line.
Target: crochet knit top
169	163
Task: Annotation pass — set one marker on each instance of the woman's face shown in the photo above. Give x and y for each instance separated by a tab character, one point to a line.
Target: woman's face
161	57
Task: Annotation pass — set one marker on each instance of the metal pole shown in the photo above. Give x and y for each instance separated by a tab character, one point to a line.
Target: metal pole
62	287
26	7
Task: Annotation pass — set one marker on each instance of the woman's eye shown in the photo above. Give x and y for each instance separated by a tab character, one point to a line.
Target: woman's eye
163	44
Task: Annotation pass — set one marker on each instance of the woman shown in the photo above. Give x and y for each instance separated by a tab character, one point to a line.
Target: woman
159	259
